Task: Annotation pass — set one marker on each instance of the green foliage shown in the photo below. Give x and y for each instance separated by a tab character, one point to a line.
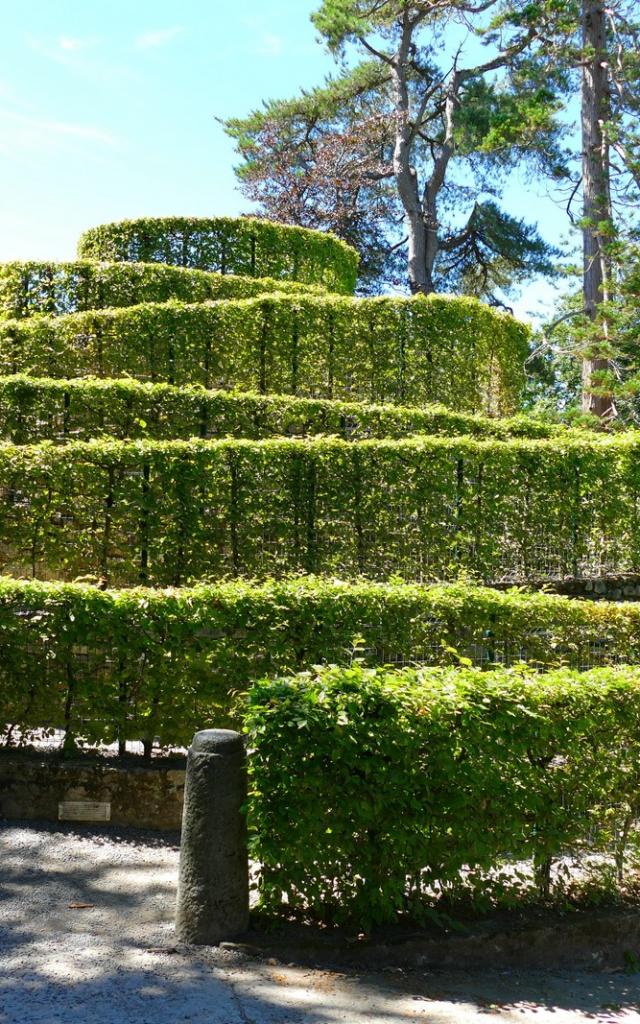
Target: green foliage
376	793
343	21
57	288
422	508
455	351
246	246
39	409
131	664
495	252
613	335
509	125
570	335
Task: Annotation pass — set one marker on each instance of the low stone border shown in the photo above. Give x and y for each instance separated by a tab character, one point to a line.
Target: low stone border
597	938
91	789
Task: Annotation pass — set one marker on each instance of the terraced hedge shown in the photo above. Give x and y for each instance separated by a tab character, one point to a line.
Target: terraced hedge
246	359
135	664
229	246
408	351
54	289
40	409
420	508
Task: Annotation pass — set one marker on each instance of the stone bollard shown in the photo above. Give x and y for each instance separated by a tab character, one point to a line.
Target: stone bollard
213	887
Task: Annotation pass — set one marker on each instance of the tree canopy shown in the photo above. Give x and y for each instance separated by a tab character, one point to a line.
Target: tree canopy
403	151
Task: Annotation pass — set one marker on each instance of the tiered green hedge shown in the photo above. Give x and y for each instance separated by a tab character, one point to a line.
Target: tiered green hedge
378	793
229	246
410	351
41	409
422	508
28	289
142	663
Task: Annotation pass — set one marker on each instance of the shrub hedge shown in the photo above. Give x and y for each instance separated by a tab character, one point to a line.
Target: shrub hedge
43	409
238	246
374	793
28	289
141	663
424	508
410	351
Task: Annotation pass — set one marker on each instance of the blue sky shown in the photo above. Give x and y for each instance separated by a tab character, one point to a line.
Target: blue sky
107	111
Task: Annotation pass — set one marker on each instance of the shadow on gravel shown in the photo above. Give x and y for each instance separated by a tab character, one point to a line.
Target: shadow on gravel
86	934
101	834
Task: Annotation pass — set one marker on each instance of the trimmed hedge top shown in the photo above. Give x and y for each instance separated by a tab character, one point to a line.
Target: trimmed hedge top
36	409
228	245
30	288
410	351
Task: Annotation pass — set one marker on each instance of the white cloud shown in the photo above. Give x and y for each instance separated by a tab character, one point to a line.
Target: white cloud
78	55
21	132
158	37
265	43
72	44
50	52
64	50
269	45
88	132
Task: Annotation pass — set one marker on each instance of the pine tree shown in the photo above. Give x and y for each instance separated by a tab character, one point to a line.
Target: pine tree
408	146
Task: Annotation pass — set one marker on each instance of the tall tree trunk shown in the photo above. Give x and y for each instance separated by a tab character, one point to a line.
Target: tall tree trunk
597	212
433	186
405	173
407	184
420	280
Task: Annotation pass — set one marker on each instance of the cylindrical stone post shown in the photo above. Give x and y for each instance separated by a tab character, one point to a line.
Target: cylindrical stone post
213	887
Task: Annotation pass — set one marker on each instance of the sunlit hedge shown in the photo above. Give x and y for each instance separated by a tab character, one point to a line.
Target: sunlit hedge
245	245
141	663
412	351
42	409
53	289
379	793
421	508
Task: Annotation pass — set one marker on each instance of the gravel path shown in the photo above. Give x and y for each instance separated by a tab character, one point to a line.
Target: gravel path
116	959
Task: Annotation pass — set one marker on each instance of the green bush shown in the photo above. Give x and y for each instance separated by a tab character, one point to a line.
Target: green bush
142	663
42	409
423	508
28	289
410	351
229	246
378	792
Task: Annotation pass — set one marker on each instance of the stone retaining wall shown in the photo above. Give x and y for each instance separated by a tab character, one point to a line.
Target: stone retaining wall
49	789
624	587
